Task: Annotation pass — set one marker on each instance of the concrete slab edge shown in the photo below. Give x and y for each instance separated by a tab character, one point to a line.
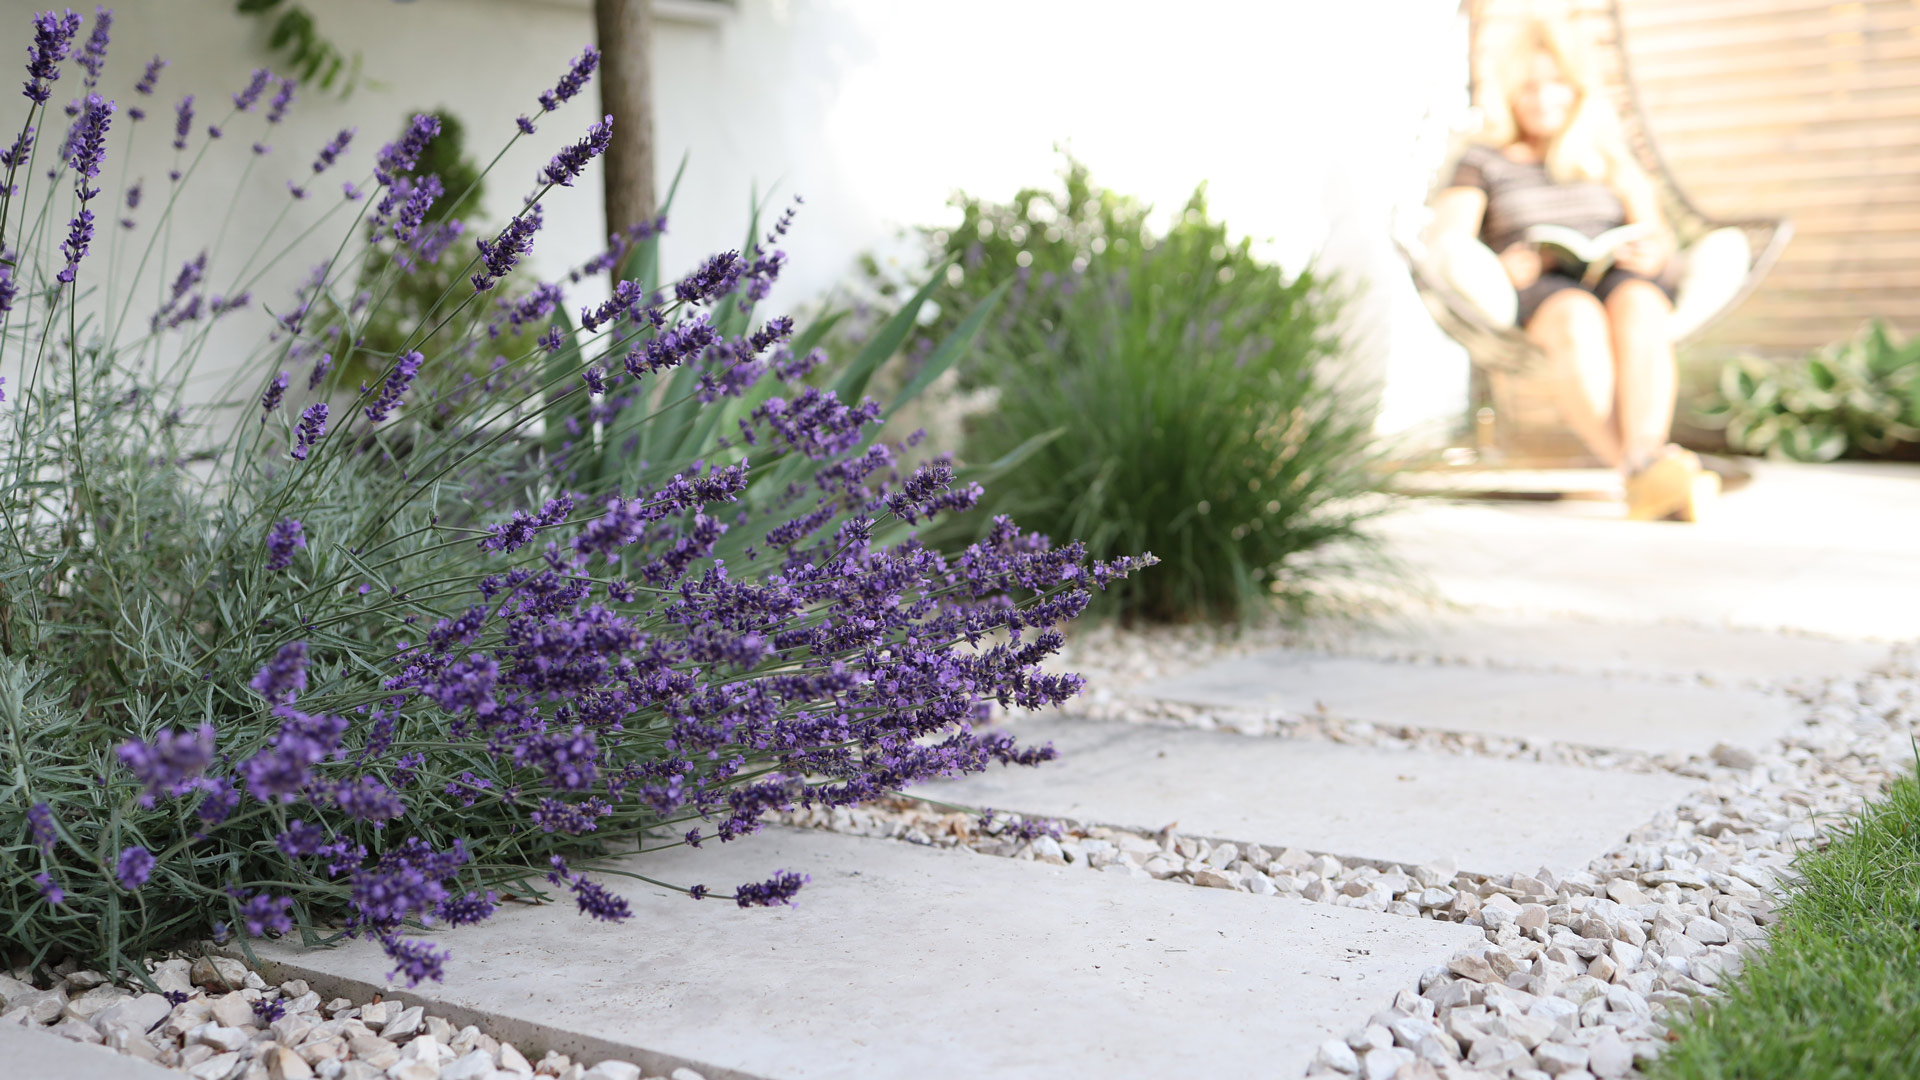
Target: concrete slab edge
531	1038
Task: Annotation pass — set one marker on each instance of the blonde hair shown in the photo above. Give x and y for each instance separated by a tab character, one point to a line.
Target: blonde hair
1591	145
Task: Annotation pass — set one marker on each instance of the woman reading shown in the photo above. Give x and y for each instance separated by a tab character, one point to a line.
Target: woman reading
1552	188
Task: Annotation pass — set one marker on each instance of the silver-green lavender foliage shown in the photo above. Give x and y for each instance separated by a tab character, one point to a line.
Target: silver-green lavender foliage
298	656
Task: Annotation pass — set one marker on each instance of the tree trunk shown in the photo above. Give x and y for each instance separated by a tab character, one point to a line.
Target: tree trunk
625	30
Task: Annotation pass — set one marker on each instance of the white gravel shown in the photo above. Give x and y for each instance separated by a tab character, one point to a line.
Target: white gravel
1581	975
232	1025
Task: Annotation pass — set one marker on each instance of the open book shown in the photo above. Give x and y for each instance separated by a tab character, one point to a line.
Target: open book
1575	252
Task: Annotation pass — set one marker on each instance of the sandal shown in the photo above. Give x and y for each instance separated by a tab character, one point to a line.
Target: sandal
1674	486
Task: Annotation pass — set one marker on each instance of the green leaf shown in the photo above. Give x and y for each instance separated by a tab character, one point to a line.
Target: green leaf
568	398
814	334
952	349
1010	459
853	381
255	7
295	23
642	263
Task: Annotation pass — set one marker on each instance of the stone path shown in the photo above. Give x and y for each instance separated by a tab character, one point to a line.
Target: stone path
1612	711
907	961
1595	730
1411	807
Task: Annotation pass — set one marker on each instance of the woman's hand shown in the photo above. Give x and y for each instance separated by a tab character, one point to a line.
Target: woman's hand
1523	264
1648	255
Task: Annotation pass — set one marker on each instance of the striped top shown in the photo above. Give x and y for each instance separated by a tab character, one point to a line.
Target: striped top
1521	195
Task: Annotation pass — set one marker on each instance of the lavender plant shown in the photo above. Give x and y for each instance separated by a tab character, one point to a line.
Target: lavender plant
305	657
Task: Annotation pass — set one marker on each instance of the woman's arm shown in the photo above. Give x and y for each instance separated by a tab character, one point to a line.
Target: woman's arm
1649	255
1458	211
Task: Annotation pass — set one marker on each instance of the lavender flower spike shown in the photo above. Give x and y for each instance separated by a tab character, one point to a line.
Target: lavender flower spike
333	150
89	144
52	37
574	81
135	867
270	400
169	765
282	539
79	236
285	675
247	98
401	377
313	426
401	155
514	241
571	161
182	122
93	56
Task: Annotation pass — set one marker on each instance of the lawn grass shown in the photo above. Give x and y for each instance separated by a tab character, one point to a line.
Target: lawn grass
1837	996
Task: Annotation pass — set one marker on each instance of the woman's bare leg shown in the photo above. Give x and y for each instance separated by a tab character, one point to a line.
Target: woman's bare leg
1572	328
1647	377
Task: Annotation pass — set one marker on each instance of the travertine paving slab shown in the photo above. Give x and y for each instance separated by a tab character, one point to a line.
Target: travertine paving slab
1824	549
39	1055
1545	706
1405	806
1663	650
904	961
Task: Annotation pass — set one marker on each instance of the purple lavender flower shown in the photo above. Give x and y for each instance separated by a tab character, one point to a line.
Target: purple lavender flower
148	80
420	196
79	237
285	676
16	155
313	426
595	380
284	769
40	822
405	367
467	910
321	368
520	532
249	96
571	161
134	193
268	1011
270	400
182	123
514	241
170	764
93	55
572	82
52	37
778	889
52	893
367	799
135	867
282	100
88	147
286	535
332	151
263	914
402	154
594	900
715	278
417	960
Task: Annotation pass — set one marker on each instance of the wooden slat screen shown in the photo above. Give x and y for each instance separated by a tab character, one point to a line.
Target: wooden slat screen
1807	110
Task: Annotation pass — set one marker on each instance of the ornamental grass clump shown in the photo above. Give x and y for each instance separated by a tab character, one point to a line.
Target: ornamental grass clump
1165	392
316	655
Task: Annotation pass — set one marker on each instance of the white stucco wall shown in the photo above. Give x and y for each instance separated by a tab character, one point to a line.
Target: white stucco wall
1301	115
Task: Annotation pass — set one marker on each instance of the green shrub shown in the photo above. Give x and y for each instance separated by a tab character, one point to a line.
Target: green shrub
1858	397
1167	394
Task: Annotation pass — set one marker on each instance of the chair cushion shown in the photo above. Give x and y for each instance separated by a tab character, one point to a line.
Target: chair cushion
1716	267
1471	269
